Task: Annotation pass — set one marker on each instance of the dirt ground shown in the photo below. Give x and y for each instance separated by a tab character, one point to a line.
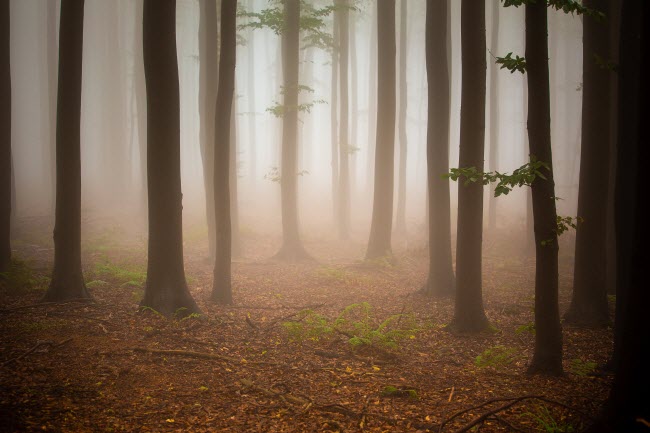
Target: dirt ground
273	362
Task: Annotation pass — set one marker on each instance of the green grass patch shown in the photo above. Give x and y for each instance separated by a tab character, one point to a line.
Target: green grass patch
496	356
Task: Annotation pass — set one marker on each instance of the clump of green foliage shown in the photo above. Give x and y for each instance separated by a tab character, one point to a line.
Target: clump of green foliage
528	327
125	275
582	368
547	423
394	391
495	356
358	324
21	278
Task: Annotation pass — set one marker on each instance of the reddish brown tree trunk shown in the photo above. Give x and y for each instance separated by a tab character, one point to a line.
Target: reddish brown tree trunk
5	137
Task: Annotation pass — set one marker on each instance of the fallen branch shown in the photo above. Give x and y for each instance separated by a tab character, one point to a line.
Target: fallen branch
202	355
33	349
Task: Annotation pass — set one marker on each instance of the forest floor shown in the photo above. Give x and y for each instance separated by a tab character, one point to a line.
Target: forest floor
303	348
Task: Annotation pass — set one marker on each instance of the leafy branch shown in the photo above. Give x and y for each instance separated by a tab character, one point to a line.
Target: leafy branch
516	64
566	6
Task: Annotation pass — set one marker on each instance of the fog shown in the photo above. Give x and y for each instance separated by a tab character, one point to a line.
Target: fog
113	181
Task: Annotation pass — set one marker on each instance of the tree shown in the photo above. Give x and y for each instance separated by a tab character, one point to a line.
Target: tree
67	277
292	248
469	315
208	78
52	64
400	217
334	116
494	111
372	102
221	290
547	357
165	289
140	91
343	196
251	89
589	301
628	407
5	137
441	273
379	244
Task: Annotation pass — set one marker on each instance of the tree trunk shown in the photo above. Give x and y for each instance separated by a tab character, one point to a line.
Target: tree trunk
547	357
379	244
589	303
343	12
67	277
252	119
140	101
5	138
234	181
400	217
166	289
221	290
494	113
469	315
334	117
628	405
292	248
441	273
52	65
354	105
208	78
372	103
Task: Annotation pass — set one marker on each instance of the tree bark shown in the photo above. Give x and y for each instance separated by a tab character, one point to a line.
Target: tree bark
208	79
469	315
292	248
236	246
67	277
589	302
166	288
494	113
372	103
547	358
334	117
222	290
379	244
400	217
52	65
5	137
343	12
140	101
628	405
252	120
441	273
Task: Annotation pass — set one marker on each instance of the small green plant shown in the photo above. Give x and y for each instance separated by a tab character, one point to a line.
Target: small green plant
394	391
582	368
121	274
495	356
547	423
309	325
528	328
144	308
21	278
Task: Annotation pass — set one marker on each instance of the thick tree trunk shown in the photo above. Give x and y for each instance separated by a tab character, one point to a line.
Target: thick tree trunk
469	315
208	78
379	244
547	358
52	65
334	117
292	248
140	102
5	137
628	405
494	113
67	277
441	273
589	303
221	290
400	217
234	181
166	289
343	13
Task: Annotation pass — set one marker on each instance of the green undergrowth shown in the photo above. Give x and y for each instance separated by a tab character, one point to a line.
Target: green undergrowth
496	356
546	422
21	278
357	324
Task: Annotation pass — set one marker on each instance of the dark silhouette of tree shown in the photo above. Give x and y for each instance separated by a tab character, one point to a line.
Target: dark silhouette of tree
236	247
343	13
441	272
5	137
208	79
469	315
547	357
221	290
140	91
628	405
589	302
52	64
165	289
292	248
67	277
494	112
400	214
379	244
372	104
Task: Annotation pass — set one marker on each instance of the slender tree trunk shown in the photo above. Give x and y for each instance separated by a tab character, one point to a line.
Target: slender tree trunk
52	65
494	113
234	181
469	315
334	117
5	137
441	273
379	244
140	101
589	303
208	78
354	105
547	358
372	103
343	12
252	120
222	291
67	277
166	288
529	248
628	405
400	218
292	248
